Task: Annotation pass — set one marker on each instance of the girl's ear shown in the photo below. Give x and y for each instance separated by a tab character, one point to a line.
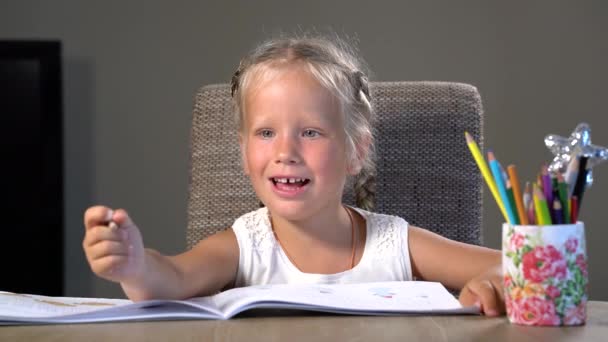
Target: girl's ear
243	148
362	150
353	169
354	166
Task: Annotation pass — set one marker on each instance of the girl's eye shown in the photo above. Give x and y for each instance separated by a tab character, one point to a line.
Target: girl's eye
311	133
266	133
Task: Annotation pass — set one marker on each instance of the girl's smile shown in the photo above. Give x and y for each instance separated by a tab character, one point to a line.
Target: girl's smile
288	187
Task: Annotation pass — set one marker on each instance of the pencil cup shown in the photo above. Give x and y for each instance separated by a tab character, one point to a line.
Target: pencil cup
545	274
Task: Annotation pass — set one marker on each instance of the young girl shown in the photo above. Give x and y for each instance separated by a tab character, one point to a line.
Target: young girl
304	121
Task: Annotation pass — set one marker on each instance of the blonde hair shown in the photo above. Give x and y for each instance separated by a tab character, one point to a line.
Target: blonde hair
335	65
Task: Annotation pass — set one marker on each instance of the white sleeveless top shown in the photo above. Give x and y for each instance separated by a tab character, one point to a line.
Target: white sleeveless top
262	260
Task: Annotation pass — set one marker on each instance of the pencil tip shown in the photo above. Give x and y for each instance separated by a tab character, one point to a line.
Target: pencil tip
557	204
544	170
468	137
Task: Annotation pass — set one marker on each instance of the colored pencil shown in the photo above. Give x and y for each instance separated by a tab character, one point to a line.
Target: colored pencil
500	185
527	195
571	173
529	203
531	213
543	217
511	197
521	210
558	211
574	209
553	183
547	187
562	189
485	172
581	180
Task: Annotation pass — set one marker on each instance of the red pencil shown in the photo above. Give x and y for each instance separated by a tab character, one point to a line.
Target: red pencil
574	209
531	213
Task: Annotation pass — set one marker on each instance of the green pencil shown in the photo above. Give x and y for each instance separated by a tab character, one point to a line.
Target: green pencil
562	188
542	210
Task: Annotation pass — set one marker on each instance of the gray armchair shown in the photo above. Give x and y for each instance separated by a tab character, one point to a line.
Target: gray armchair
425	172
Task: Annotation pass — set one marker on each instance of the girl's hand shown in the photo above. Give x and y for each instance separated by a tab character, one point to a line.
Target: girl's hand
113	244
485	291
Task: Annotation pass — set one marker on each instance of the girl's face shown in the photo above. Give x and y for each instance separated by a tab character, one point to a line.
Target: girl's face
293	145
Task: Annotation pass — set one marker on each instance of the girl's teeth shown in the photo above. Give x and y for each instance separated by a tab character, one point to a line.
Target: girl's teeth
289	180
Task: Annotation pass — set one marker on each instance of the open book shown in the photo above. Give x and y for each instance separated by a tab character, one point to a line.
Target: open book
380	298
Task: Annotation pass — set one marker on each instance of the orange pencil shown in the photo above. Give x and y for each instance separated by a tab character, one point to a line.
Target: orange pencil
521	211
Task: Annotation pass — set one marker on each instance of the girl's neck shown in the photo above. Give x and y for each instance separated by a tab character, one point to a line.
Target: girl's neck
320	246
330	226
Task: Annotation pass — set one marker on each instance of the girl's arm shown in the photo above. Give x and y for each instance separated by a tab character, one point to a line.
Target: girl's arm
207	268
473	269
114	249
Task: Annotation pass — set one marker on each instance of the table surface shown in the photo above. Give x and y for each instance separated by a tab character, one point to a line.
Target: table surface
314	327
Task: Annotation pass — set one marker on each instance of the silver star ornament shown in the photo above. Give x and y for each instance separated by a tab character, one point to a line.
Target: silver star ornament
576	145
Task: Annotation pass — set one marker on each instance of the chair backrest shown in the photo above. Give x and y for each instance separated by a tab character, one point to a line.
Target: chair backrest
425	172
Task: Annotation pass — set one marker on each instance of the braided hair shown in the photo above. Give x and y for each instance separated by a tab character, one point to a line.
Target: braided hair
335	65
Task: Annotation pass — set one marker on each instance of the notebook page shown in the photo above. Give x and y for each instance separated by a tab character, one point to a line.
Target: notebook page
378	297
25	305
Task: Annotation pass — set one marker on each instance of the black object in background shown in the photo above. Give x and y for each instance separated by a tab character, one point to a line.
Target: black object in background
31	167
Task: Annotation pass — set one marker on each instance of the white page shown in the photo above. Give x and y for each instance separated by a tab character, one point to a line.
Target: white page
366	298
44	309
373	298
24	305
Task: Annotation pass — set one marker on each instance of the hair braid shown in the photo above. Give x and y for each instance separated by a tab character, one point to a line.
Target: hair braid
365	189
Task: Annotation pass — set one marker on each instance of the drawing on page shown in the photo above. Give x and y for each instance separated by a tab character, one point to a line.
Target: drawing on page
383	292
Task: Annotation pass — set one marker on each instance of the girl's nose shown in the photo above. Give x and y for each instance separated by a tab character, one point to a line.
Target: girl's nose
287	151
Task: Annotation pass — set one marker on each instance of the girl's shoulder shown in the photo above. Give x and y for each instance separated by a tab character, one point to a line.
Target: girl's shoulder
380	220
387	236
258	217
255	228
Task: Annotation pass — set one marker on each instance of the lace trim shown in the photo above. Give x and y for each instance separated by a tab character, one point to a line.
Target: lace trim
386	239
385	229
257	225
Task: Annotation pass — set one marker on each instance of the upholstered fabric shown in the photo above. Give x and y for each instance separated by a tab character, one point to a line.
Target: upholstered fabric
425	173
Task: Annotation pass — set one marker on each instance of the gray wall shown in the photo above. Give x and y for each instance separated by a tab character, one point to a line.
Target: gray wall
132	67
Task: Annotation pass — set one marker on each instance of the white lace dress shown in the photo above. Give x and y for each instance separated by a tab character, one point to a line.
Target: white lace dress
262	260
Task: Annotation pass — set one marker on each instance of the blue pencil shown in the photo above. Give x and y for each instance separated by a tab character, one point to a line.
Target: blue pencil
500	184
558	211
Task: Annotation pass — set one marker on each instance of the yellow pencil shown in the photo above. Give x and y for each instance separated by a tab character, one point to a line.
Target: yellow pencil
485	172
521	211
543	217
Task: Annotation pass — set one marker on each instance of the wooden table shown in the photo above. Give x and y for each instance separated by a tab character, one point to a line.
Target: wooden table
313	327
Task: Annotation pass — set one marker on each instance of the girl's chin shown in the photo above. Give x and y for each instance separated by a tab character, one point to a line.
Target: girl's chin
289	211
283	209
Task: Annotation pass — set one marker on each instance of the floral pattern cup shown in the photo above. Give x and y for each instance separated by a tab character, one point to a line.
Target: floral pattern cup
545	274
